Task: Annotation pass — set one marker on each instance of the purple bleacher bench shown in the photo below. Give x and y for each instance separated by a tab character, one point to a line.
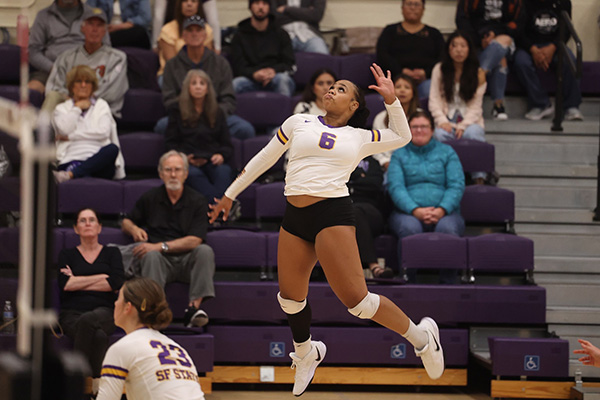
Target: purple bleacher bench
142	66
434	251
508	304
355	68
11	147
375	105
13	92
10	67
253	145
308	63
474	155
534	357
248	201
142	150
141	109
264	109
488	204
236	160
238	249
10	193
270	201
500	252
103	195
10	240
379	346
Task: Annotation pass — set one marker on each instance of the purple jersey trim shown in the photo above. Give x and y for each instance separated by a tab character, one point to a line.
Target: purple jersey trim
114	376
375	135
115	367
281	136
320	117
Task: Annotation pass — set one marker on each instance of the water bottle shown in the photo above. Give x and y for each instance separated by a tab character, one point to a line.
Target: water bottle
8	316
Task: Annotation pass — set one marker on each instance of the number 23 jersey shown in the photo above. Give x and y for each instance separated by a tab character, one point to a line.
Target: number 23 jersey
151	366
322	157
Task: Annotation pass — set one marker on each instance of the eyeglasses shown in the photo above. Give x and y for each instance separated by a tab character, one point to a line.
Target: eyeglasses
82	81
420	127
169	170
413	4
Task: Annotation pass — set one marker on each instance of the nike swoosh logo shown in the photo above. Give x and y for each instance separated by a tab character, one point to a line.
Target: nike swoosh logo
306	120
437	346
318	355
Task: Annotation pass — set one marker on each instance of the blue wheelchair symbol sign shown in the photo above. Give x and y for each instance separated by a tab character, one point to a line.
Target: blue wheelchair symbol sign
398	351
277	349
532	363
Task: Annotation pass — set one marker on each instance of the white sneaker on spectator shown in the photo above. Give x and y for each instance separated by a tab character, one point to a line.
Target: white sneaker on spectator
573	114
61	176
499	113
306	366
536	113
432	354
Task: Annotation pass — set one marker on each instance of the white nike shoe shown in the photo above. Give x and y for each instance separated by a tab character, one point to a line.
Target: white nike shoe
432	354
306	366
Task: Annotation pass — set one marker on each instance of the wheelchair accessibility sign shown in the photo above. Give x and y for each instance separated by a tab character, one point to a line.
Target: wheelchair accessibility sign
277	349
398	351
532	363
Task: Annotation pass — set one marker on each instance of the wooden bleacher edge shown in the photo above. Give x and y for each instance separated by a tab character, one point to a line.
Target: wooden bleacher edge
534	389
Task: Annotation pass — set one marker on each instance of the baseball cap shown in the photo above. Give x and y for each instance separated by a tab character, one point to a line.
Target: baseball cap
194	20
94	13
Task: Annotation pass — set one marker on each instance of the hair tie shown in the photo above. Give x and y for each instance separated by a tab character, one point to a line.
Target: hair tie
143	306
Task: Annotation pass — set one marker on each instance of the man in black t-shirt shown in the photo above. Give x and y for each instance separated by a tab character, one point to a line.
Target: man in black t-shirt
170	224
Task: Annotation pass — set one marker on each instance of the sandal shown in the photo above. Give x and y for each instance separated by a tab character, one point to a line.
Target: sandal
380	272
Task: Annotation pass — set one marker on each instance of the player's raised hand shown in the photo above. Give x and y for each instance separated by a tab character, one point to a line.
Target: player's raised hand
385	85
591	354
223	204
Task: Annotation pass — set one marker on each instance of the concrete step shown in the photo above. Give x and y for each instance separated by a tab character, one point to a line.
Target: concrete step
554	197
539	149
516	107
522	168
570	295
553	215
586	370
562	240
572	333
573	265
573	315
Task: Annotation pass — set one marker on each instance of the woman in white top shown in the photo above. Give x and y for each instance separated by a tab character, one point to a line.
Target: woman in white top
319	221
147	363
406	91
456	96
85	132
312	97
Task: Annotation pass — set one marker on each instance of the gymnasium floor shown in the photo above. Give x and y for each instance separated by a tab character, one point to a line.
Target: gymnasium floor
451	394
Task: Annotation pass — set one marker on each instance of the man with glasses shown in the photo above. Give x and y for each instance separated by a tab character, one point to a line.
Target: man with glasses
410	47
110	65
169	225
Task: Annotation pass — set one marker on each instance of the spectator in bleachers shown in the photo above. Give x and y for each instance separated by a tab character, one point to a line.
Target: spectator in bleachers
166	11
312	96
170	40
537	49
493	26
56	29
261	53
89	277
198	129
300	18
426	183
592	353
406	92
195	55
410	47
138	363
169	225
456	96
366	191
128	21
110	66
86	132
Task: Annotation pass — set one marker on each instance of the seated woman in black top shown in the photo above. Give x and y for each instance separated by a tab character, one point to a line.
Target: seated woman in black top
197	127
90	276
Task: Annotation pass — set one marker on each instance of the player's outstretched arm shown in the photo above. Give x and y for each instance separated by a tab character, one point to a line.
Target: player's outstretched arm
385	85
221	205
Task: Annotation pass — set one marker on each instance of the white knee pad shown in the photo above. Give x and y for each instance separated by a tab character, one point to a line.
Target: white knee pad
291	306
367	307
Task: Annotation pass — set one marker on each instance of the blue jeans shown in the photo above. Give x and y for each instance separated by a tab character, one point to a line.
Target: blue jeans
473	131
100	165
489	60
423	89
210	180
313	45
282	83
239	128
536	95
404	225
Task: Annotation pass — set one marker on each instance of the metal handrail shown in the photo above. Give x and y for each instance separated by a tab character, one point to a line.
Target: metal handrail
564	23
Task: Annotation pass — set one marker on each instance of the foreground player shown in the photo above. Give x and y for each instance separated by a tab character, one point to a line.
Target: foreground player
149	364
319	224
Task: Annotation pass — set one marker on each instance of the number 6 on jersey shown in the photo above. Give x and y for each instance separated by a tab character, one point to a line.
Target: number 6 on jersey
327	140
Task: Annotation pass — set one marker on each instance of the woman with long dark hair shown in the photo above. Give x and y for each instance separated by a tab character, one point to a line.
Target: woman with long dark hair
318	223
456	97
312	96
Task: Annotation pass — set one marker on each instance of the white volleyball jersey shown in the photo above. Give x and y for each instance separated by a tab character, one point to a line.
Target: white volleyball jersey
151	366
322	157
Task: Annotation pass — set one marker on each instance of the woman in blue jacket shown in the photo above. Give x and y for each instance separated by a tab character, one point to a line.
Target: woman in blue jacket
426	183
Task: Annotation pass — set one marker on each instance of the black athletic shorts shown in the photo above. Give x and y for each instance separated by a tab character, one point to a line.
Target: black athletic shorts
307	222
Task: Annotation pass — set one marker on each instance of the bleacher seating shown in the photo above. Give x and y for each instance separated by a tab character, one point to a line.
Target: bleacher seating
141	151
450	251
500	252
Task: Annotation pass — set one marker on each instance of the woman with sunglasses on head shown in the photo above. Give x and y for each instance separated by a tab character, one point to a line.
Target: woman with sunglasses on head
319	220
150	365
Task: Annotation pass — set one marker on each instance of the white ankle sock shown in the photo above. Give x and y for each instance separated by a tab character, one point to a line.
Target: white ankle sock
416	336
302	349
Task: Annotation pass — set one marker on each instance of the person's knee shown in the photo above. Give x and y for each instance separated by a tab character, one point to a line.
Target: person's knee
503	40
290	306
450	225
111	150
149	259
475	132
203	253
367	307
36	85
87	321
